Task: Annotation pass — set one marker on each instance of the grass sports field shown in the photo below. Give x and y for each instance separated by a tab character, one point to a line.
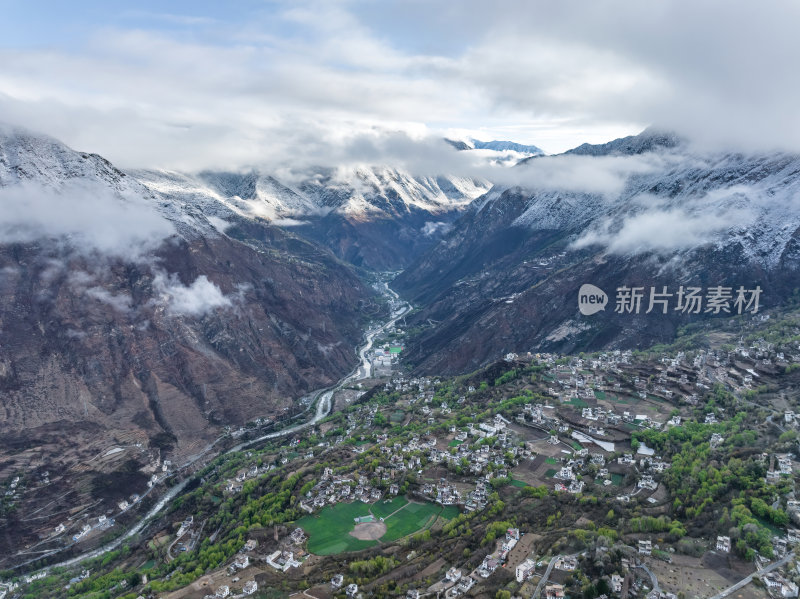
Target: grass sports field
329	530
381	509
411	518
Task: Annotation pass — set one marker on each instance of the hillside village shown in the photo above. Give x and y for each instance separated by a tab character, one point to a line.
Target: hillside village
577	437
594	430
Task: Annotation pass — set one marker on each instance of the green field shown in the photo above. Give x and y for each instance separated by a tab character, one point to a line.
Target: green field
148	565
410	519
454	443
601	395
518	483
329	530
382	508
449	512
577	402
550	473
767	524
551	461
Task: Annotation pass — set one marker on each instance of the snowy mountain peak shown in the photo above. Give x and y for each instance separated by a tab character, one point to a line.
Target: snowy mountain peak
49	187
649	140
496	152
506	146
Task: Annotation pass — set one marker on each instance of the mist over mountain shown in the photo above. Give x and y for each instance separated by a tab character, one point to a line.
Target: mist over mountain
215	255
489	265
645	211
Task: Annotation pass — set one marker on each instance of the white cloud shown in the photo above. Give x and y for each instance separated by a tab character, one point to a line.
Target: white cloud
425	154
85	216
289	222
199	298
604	175
433	228
660	231
119	301
299	79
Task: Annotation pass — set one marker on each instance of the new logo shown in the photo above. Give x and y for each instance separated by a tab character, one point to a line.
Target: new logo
591	299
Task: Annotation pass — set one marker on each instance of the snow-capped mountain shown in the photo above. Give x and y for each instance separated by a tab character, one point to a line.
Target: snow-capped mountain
497	152
378	217
650	140
505	146
642	211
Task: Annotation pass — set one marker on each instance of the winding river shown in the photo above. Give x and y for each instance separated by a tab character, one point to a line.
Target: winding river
322	401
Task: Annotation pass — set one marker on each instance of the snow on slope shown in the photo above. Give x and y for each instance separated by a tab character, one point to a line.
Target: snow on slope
499	153
362	193
690	202
506	146
49	186
217	194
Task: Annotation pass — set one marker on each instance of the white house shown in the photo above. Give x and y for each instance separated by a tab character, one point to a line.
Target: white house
250	587
525	570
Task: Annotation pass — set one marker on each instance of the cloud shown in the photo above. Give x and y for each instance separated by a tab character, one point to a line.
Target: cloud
80	278
428	155
199	298
85	216
432	228
289	222
299	79
120	301
604	175
660	231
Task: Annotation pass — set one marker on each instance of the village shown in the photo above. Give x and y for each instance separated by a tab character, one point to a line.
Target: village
410	454
576	439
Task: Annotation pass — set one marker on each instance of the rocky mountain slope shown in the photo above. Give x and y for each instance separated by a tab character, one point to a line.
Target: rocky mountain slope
642	211
130	309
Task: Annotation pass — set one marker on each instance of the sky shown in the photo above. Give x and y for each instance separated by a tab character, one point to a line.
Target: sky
194	85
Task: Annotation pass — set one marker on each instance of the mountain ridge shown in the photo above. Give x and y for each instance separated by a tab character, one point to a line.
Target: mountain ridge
373	217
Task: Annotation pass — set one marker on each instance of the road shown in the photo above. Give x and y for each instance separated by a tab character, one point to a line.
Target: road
543	581
322	399
748	579
653	578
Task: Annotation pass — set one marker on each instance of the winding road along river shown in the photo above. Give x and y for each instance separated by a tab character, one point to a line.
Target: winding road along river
322	401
